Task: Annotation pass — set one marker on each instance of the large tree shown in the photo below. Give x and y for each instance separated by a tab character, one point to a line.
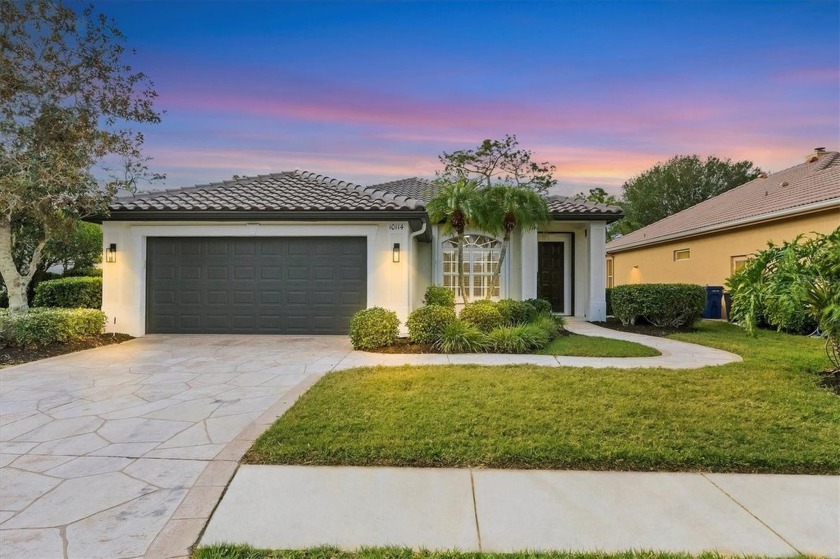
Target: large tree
67	97
679	183
498	162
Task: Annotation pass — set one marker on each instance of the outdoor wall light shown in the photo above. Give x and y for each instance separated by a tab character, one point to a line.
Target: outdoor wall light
636	266
395	256
111	253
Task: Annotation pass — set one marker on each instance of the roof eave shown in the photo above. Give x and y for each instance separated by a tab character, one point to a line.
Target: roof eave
268	215
696	232
570	216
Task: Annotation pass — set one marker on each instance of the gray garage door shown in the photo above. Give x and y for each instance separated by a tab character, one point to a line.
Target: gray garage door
268	285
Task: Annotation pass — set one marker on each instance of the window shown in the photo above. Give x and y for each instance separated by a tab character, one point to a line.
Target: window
609	272
682	254
738	263
481	255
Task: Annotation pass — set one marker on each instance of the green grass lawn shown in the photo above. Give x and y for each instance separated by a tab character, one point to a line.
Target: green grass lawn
766	414
591	346
245	552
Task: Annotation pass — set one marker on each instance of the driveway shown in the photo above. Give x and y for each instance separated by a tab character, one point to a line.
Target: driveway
124	450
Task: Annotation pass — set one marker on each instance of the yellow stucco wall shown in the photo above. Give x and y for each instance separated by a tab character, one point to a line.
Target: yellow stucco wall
711	255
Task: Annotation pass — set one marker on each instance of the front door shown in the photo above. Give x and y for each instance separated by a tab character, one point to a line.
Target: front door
551	273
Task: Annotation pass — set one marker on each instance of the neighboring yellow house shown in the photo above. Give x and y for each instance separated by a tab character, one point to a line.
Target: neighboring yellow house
705	243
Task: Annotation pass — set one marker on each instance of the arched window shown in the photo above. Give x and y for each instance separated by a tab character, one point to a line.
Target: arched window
481	255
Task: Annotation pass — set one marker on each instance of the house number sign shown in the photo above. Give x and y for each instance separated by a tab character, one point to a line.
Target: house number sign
396	226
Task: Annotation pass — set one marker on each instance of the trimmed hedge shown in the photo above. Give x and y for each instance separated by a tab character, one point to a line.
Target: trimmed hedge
42	326
426	324
672	305
374	327
483	314
516	312
439	295
71	293
540	305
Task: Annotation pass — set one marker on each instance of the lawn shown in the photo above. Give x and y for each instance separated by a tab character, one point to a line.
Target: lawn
766	414
590	346
245	552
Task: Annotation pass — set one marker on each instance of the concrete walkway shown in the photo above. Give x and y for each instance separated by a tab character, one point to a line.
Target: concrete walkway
293	507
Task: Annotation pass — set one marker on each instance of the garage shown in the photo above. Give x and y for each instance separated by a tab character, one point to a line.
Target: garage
254	285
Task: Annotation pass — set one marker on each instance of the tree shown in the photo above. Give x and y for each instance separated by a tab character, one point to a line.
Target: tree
601	196
497	161
503	209
679	183
65	149
456	205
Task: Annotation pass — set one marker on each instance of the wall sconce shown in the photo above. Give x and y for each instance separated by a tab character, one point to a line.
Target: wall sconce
636	267
395	255
111	253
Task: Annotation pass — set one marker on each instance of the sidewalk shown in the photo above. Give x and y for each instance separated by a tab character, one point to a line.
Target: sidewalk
293	507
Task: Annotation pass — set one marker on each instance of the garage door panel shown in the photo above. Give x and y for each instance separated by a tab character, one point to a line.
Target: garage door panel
303	285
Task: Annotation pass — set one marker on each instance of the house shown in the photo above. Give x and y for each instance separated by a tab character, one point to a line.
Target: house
299	253
706	243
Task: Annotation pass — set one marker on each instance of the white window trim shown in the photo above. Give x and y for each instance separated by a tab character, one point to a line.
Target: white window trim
438	264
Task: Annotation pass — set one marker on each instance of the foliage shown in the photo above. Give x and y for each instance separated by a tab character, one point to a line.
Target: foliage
498	162
456	205
672	305
72	293
439	295
766	414
541	306
792	287
515	312
503	208
426	324
462	337
548	325
508	339
677	184
39	327
66	99
483	314
374	327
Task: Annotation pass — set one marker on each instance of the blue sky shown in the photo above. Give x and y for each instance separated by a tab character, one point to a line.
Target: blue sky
375	91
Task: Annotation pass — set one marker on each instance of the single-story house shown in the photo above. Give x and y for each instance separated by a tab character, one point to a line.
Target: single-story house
706	243
299	253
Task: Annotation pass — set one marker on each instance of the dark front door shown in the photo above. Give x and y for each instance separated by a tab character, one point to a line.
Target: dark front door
551	275
254	285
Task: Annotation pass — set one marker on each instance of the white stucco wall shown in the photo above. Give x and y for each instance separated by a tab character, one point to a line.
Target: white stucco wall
124	282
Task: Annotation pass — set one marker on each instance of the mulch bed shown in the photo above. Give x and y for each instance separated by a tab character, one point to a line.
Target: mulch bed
18	355
831	380
642	328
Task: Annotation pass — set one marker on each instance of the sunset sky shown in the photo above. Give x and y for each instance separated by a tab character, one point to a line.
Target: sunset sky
370	92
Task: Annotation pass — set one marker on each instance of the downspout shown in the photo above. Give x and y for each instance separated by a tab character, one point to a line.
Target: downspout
411	238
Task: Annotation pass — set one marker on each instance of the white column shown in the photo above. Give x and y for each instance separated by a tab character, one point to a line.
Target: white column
528	268
597	235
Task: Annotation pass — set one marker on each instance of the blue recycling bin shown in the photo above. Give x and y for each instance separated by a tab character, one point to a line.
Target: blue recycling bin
714	293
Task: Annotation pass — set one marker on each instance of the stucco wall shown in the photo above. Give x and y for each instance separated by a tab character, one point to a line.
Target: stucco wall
711	255
124	282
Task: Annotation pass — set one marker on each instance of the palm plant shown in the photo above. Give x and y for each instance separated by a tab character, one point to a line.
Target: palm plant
456	205
503	209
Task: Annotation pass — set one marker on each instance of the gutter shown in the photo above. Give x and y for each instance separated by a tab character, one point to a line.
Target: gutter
781	214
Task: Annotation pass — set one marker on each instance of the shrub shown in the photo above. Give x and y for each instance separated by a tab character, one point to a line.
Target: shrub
72	293
83	272
508	339
541	306
426	324
672	305
374	327
439	295
40	327
462	337
515	312
534	336
549	325
483	314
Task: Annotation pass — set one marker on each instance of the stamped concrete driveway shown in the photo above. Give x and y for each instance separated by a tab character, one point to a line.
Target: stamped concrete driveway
121	451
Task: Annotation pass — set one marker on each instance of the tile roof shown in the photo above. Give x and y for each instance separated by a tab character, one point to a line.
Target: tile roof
414	187
288	191
560	205
801	186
